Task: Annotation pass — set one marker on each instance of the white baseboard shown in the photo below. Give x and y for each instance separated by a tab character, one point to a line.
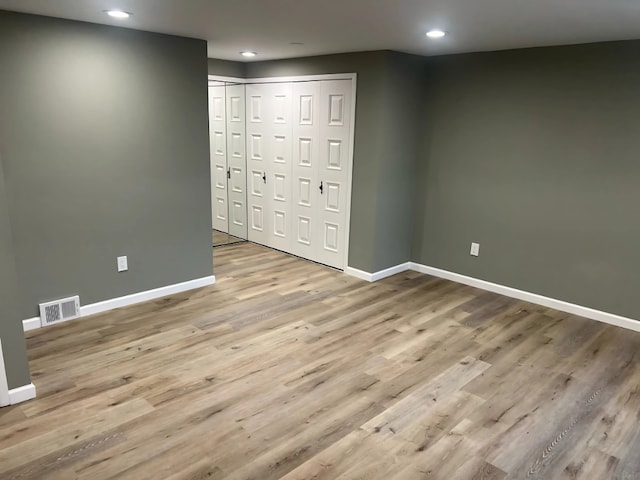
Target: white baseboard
31	324
372	277
99	307
22	394
561	305
361	274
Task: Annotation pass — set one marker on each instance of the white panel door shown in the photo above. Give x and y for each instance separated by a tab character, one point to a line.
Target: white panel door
335	127
298	155
218	158
236	161
279	164
269	129
305	235
257	125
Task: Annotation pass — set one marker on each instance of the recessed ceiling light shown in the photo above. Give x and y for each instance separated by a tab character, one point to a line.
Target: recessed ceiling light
436	34
248	54
118	14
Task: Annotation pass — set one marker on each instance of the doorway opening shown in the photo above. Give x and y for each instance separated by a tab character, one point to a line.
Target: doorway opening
281	163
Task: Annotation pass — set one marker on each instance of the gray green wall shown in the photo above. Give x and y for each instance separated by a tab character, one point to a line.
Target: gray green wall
11	334
104	140
384	158
535	155
400	140
226	68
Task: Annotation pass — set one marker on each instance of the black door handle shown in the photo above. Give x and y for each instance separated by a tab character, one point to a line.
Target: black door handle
264	177
321	188
229	173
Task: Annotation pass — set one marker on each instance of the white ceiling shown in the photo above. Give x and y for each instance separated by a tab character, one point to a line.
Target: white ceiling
333	26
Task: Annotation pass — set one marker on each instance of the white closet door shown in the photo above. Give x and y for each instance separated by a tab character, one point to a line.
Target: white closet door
269	130
236	160
218	158
279	164
257	154
298	140
305	235
335	124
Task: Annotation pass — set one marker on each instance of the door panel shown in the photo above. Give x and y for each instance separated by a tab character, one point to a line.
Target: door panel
257	132
303	230
270	151
257	218
218	157
279	224
237	161
306	237
331	241
279	183
335	128
332	197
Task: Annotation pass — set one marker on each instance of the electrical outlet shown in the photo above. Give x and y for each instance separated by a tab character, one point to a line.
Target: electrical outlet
123	264
475	249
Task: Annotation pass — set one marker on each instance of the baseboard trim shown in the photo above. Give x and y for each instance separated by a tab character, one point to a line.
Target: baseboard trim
147	295
22	394
361	274
31	324
556	304
99	307
372	277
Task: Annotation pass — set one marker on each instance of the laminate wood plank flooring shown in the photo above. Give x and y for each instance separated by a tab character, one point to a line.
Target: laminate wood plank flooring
288	369
220	239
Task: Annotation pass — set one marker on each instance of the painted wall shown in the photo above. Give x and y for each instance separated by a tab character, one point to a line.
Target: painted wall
379	239
226	68
534	154
104	139
13	344
402	131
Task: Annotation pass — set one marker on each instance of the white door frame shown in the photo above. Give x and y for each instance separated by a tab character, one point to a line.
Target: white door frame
310	78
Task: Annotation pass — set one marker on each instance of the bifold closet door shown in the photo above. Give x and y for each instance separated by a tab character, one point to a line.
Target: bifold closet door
269	131
298	137
236	161
306	179
336	118
218	158
321	137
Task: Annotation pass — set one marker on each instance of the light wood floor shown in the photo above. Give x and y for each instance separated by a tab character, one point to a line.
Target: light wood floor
220	238
287	369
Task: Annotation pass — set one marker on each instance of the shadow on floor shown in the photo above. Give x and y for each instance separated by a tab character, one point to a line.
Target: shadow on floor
220	239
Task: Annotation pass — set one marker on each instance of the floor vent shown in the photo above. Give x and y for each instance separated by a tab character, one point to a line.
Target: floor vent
59	311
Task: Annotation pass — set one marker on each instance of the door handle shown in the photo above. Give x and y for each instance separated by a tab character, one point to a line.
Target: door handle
229	173
321	188
264	177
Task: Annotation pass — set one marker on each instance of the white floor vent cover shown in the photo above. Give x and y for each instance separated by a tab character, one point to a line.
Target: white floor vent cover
59	311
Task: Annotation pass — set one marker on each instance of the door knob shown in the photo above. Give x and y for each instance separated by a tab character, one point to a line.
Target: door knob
264	177
229	173
321	188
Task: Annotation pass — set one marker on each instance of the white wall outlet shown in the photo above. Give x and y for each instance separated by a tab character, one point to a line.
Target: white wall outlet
475	249
123	264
